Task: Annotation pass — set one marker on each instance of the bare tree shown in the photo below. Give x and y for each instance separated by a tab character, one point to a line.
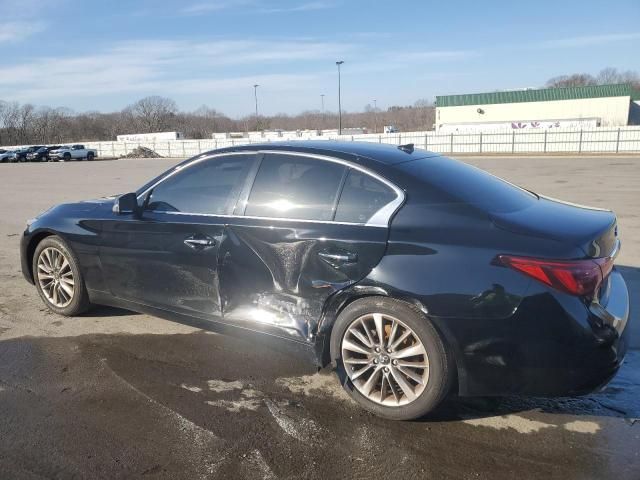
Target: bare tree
574	80
153	114
605	77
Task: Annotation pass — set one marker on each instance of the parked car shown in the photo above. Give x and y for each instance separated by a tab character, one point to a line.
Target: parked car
413	274
41	154
73	152
22	154
7	156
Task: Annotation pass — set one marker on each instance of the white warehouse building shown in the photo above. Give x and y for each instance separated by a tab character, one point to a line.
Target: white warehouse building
571	107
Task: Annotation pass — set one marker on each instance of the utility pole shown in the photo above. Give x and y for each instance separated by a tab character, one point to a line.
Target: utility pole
255	94
322	109
375	116
338	63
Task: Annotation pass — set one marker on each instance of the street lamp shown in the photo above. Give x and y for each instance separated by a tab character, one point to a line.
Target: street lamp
255	94
339	100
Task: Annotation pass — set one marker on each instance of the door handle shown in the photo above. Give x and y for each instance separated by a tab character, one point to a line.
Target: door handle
336	259
199	242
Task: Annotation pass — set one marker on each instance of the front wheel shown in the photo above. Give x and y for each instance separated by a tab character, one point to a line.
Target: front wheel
58	279
391	359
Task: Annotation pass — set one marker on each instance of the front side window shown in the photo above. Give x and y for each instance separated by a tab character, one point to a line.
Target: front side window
362	196
208	187
295	187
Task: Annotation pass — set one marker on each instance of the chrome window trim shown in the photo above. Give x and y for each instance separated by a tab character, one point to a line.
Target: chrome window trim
278	219
379	219
195	161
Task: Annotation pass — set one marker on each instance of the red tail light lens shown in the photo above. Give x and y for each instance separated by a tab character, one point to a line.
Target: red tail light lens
575	277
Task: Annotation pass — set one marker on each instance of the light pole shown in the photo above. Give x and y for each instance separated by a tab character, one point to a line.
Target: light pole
375	116
338	63
255	95
322	110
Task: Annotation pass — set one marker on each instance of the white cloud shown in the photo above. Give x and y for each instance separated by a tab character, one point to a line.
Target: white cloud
21	19
15	9
166	67
589	40
304	7
435	55
254	6
214	6
16	31
216	70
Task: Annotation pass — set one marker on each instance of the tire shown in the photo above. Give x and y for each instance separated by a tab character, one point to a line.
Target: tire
67	304
90	156
67	157
393	402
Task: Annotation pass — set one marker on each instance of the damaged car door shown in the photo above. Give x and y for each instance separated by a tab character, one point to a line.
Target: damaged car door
167	256
306	228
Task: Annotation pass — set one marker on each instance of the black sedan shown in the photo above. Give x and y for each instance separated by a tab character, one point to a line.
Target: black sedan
415	275
25	154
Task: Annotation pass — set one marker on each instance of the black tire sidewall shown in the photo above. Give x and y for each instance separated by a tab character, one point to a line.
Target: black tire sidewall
80	302
441	367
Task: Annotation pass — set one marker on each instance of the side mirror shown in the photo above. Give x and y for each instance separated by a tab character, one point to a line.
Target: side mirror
126	204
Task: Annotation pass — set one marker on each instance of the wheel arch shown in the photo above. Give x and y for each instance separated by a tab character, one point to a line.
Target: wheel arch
31	248
337	303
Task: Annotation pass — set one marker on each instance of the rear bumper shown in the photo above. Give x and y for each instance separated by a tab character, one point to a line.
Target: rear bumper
553	345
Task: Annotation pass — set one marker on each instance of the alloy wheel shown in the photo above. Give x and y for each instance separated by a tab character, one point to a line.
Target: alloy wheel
385	359
55	277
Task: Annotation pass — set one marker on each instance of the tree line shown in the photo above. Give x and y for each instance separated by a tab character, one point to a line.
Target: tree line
23	124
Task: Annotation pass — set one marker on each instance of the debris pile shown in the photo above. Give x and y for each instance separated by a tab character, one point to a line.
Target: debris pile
142	152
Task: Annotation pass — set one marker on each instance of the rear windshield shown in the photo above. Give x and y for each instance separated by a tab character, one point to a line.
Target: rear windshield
470	185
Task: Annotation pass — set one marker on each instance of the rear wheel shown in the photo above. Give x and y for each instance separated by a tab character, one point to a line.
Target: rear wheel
58	279
90	156
391	359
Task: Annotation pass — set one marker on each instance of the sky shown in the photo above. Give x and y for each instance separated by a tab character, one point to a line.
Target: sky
92	55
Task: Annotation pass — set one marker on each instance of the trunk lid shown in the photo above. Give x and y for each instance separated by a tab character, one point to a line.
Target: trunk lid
593	230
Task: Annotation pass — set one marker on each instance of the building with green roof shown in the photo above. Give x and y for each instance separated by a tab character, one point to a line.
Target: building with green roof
571	107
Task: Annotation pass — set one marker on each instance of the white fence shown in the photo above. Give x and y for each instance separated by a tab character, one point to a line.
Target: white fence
597	140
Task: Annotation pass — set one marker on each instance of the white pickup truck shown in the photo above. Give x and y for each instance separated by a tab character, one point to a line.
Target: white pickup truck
73	152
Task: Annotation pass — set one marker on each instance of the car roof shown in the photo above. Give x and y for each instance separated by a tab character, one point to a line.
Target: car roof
358	152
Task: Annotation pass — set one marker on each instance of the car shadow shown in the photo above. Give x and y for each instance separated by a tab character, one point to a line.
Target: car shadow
104	311
619	399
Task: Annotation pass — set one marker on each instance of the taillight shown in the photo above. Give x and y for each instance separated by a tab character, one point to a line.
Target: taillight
575	277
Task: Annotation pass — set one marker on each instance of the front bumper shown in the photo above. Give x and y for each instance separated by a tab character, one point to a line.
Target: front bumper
24	256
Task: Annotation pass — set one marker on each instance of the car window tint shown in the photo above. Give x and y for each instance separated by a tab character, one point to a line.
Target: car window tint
210	187
362	196
295	187
470	185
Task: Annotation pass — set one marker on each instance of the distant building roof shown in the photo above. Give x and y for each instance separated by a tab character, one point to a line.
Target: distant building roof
539	95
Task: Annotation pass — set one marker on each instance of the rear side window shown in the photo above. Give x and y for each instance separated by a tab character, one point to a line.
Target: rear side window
362	196
209	187
289	186
470	185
